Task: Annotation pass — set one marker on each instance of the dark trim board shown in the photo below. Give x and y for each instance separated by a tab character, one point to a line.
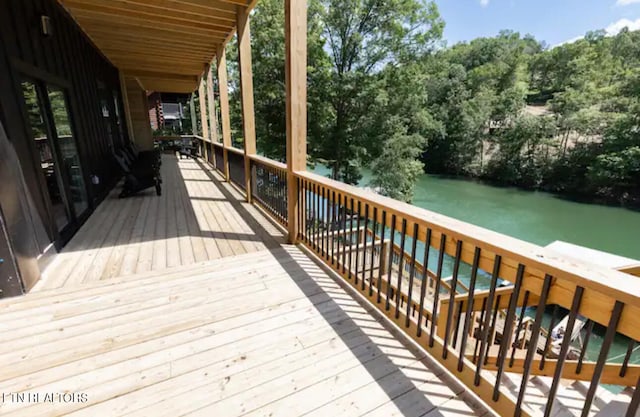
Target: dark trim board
69	60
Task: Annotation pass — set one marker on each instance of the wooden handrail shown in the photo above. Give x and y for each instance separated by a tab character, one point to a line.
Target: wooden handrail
234	150
268	162
602	287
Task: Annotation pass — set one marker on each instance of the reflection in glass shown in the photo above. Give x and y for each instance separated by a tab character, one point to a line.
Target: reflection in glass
47	160
70	161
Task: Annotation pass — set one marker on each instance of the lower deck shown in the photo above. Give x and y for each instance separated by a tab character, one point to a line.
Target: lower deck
118	328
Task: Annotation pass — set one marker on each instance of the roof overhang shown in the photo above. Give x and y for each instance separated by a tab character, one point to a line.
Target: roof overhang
165	44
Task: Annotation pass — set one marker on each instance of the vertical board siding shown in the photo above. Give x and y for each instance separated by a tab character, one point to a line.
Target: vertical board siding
66	59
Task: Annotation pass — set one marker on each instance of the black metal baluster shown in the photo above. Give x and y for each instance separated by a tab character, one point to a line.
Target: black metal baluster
364	248
547	344
373	249
507	331
357	263
403	237
470	300
456	328
350	238
585	345
344	235
321	215
332	228
423	284
390	266
452	298
383	229
479	333
635	401
314	211
564	349
300	207
436	294
519	328
627	357
533	343
602	358
412	272
492	329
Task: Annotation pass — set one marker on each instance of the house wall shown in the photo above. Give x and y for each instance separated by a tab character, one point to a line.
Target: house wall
69	60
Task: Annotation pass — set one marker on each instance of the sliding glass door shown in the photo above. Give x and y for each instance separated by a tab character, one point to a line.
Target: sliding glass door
57	154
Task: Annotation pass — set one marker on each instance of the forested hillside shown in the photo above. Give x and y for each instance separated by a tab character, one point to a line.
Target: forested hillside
386	92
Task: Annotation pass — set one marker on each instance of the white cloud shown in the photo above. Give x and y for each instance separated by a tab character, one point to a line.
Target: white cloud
626	2
485	3
613	29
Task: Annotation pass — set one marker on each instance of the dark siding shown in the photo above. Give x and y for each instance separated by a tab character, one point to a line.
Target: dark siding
68	59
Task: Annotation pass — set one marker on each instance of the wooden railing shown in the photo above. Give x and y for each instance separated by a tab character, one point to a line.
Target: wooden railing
462	292
269	186
463	335
235	158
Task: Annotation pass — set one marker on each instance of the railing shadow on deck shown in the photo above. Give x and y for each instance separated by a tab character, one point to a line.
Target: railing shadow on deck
419	392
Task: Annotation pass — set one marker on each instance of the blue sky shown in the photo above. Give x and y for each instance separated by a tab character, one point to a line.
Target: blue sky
554	21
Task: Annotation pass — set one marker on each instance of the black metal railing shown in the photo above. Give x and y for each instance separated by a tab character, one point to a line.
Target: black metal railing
218	157
235	158
480	305
269	187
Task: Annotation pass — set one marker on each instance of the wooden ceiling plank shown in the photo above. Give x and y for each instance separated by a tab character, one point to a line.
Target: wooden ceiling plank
90	19
169	6
115	10
208	4
144	35
129	7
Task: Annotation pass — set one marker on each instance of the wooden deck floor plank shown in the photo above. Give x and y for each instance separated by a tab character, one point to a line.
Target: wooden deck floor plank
215	248
172	238
159	258
213	349
55	297
184	240
272	317
74	256
93	260
48	355
85	320
145	254
113	265
132	248
195	232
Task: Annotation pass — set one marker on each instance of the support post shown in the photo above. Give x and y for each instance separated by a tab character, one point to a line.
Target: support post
296	113
203	112
192	113
246	93
224	107
211	102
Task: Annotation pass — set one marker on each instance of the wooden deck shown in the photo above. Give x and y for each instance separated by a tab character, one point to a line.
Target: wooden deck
197	218
258	329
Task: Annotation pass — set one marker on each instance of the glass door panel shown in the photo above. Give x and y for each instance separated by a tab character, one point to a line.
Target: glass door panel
70	162
46	155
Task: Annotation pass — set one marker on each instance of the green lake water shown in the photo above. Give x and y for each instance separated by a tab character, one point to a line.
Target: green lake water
536	217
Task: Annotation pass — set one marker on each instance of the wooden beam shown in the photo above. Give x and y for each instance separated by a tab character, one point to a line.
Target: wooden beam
149	36
124	94
296	112
205	10
223	85
215	5
211	101
246	93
